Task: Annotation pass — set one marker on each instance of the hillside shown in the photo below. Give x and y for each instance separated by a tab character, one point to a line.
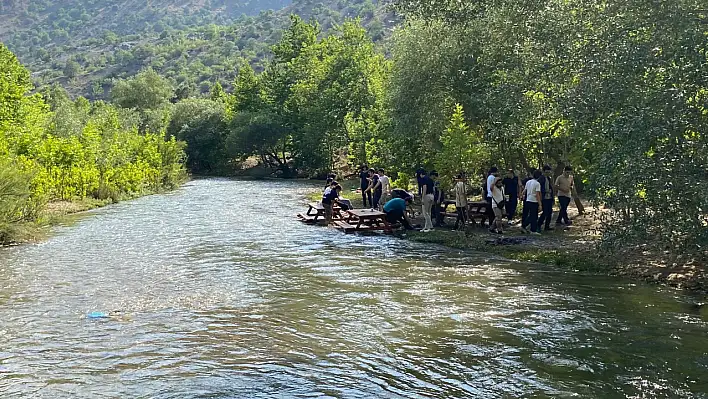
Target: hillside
81	19
85	45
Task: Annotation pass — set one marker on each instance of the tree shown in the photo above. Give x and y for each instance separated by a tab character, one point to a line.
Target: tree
609	86
462	149
146	90
217	92
149	94
201	124
71	69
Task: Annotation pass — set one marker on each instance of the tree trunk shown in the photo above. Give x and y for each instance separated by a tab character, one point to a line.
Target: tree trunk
579	204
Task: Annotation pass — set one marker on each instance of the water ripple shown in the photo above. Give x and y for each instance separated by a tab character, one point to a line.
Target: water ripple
223	295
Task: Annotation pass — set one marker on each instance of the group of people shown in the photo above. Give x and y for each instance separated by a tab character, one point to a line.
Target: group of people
502	193
376	192
432	197
537	193
375	187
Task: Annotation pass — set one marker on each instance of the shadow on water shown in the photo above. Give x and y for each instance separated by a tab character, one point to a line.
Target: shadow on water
227	295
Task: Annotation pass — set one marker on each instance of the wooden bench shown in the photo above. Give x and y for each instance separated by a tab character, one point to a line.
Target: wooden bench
316	211
345	227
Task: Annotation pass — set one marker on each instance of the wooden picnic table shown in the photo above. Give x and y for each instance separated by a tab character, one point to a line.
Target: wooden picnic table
474	209
316	211
364	220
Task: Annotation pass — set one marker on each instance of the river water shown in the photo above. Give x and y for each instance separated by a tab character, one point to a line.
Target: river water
224	294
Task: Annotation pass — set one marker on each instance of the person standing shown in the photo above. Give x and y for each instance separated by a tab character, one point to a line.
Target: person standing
548	198
491	178
385	186
565	187
419	176
364	177
460	202
532	202
428	193
375	188
498	204
439	195
512	189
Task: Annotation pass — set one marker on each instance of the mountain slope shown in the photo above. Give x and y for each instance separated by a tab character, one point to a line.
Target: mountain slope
193	42
85	18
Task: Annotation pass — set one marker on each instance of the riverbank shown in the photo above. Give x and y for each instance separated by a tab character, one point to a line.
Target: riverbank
579	254
575	249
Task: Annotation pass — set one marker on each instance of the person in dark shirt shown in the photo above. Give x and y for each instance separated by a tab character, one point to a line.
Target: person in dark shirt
512	189
419	176
376	188
395	210
438	197
548	197
329	198
364	176
330	178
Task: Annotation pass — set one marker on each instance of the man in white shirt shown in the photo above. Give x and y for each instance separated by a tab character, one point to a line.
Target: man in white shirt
385	186
532	204
493	174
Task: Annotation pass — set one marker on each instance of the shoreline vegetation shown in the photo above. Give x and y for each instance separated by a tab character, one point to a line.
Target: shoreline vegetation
574	249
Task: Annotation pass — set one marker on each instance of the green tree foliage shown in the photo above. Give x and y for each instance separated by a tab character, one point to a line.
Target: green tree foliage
149	94
71	69
146	90
314	99
201	123
16	205
617	88
197	43
462	149
217	92
73	151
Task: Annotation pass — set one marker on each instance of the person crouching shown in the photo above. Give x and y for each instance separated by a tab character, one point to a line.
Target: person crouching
395	210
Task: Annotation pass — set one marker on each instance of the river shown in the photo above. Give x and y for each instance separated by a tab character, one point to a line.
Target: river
224	294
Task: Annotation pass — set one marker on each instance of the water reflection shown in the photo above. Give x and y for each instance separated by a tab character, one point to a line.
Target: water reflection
225	298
